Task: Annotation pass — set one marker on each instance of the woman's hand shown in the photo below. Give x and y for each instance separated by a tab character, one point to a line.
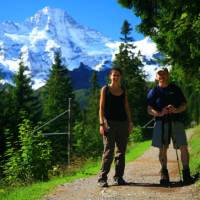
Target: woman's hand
103	127
101	130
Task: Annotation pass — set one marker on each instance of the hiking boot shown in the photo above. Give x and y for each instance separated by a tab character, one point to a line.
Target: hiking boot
187	178
164	180
119	181
102	183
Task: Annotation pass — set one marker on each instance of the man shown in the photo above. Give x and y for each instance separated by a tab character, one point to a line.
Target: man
167	103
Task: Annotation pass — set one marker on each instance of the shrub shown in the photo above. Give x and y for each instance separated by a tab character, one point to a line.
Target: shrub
136	135
87	140
31	160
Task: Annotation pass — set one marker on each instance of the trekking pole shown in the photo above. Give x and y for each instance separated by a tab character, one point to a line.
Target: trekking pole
177	158
175	145
162	137
179	170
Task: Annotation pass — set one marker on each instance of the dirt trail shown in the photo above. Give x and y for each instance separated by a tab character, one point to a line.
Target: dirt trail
143	178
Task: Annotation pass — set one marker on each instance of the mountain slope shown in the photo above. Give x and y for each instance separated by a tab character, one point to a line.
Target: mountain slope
49	30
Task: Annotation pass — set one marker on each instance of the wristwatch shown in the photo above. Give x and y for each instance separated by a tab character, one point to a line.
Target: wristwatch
101	124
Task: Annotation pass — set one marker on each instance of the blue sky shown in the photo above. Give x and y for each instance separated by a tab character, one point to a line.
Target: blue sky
106	16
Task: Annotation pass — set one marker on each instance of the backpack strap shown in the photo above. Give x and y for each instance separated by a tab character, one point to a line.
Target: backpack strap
107	89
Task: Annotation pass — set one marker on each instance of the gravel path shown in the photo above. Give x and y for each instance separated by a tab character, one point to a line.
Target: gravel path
143	178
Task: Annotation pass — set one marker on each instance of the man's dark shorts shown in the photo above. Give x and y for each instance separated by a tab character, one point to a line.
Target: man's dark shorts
177	134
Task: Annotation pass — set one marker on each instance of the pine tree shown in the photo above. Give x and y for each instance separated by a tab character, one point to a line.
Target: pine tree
7	114
26	102
93	105
57	92
6	117
87	141
92	116
175	27
192	92
126	31
18	102
133	75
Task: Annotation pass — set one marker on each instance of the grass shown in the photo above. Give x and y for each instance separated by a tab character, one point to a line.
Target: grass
38	190
195	151
135	150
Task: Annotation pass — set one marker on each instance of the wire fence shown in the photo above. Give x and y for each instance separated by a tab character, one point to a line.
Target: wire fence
64	133
147	125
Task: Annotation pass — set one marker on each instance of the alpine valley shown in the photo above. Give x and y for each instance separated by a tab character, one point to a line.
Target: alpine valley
83	49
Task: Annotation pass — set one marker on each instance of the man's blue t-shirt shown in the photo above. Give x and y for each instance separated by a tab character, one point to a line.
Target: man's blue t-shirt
159	97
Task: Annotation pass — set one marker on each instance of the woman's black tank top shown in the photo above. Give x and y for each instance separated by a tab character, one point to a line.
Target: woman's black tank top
115	106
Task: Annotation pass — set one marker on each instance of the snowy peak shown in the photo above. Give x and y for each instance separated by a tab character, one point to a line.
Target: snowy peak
60	24
49	30
49	17
9	27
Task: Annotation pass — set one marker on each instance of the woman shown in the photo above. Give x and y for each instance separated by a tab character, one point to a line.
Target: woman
115	126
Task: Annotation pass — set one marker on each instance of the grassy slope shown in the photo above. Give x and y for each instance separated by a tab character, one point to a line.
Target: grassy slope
38	190
195	151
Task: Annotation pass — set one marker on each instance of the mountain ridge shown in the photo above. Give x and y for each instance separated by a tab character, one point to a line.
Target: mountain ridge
49	30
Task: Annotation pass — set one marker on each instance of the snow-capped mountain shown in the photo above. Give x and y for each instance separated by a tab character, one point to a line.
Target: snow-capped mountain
38	37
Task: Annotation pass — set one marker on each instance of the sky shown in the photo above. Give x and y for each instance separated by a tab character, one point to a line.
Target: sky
105	16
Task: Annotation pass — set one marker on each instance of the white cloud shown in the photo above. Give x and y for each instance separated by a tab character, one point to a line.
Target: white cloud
37	83
146	47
